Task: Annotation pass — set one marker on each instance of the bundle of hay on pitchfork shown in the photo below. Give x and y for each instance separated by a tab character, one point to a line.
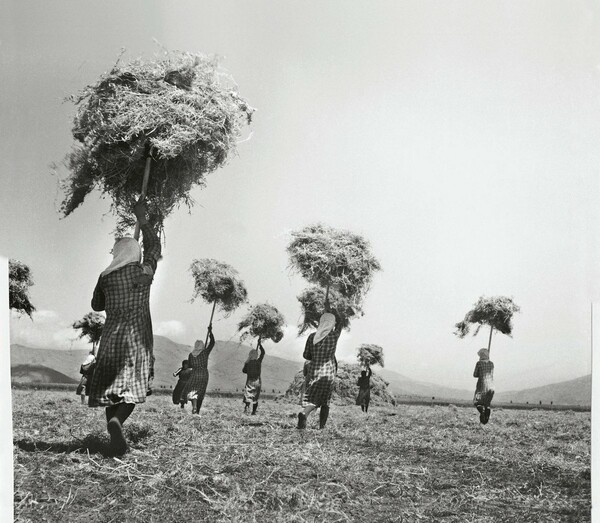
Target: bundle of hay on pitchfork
369	355
218	284
339	264
156	126
263	322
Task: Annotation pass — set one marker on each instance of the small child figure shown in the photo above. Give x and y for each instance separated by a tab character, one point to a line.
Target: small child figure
184	373
86	371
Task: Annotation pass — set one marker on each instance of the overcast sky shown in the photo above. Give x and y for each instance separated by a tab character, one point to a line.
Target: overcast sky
460	138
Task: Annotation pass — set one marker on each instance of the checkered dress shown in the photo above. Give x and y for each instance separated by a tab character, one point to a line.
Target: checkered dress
252	369
484	392
195	387
321	369
125	360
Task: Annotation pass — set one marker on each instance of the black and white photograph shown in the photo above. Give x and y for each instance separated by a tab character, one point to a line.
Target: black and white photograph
284	261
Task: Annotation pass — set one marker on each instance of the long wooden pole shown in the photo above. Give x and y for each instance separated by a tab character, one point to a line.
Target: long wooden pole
490	340
136	234
210	322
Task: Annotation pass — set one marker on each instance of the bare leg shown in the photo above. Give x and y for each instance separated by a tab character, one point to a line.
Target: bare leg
116	415
254	407
195	409
82	398
303	415
323	415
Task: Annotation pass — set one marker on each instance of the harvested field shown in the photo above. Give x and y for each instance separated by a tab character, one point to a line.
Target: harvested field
404	463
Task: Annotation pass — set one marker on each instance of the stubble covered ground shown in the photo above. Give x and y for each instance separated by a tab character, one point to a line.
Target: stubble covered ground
404	463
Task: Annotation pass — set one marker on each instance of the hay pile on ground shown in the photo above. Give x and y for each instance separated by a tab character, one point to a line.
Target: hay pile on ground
179	108
496	311
313	305
329	257
19	283
368	354
345	387
262	321
218	282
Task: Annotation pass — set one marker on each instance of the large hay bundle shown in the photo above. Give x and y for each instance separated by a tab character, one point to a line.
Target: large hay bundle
262	321
312	301
218	283
368	355
345	388
90	327
180	109
333	258
19	284
496	311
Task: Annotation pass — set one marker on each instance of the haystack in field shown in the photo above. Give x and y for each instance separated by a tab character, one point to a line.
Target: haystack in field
264	322
312	301
333	258
369	354
345	388
178	111
19	284
495	312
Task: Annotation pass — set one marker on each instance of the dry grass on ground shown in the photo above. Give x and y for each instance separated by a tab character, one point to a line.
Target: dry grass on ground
405	463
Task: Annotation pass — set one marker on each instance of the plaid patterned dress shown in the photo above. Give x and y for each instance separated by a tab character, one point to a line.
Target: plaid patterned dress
321	369
253	382
484	392
125	360
195	387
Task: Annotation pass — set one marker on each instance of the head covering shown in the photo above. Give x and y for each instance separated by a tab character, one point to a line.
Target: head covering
326	325
90	358
198	347
125	251
252	355
483	354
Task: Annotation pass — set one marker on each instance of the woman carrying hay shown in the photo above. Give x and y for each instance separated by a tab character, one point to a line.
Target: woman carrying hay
484	392
252	369
364	392
321	370
195	388
125	359
184	372
87	372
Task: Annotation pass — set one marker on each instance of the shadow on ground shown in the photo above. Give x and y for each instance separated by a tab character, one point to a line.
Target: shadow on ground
93	444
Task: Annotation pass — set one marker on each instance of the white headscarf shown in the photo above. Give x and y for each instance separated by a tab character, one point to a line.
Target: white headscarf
326	325
252	355
483	354
89	359
198	348
125	251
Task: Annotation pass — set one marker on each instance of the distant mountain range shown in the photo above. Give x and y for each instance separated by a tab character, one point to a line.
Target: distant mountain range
225	367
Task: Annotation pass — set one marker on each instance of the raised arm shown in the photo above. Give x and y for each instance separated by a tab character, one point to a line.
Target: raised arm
150	240
211	339
308	348
262	351
370	372
338	323
98	299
